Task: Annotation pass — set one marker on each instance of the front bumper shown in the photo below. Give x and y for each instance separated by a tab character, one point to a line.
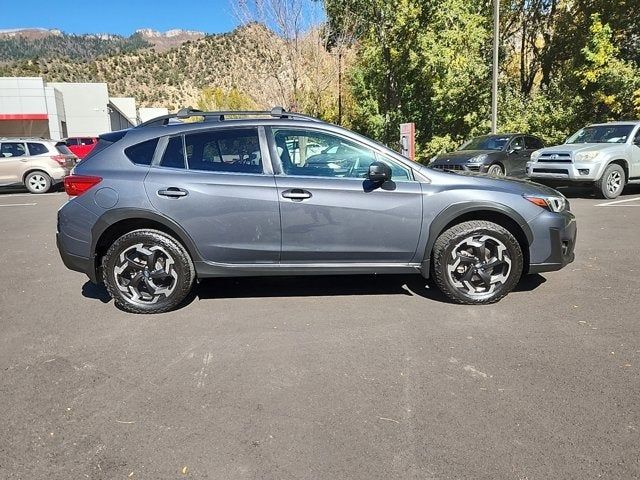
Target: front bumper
563	171
554	241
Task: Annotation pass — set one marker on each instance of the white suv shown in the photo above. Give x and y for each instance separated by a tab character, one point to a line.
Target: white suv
605	155
35	163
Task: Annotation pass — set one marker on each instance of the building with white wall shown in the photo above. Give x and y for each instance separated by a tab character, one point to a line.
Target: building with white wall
31	107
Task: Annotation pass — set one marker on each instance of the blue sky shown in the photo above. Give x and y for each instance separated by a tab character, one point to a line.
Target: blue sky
119	16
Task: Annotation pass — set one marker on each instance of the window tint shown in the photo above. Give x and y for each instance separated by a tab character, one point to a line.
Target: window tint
71	141
306	152
37	149
142	153
224	151
12	149
534	143
86	141
517	142
63	149
173	155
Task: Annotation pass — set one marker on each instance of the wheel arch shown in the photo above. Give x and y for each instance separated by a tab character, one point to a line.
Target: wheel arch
115	223
463	212
624	164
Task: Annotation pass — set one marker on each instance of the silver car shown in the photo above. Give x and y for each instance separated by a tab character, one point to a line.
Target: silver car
35	163
157	206
604	155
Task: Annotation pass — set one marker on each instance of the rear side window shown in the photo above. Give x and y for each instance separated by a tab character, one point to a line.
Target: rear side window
86	141
72	141
173	156
142	153
236	151
37	149
534	143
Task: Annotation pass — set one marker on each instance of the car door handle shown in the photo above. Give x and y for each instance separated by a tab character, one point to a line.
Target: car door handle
173	192
296	194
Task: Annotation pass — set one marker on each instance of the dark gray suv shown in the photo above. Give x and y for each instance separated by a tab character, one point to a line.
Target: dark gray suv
275	193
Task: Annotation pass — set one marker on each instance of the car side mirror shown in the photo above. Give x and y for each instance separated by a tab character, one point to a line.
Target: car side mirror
379	172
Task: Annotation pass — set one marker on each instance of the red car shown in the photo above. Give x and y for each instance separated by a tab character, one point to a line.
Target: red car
81	146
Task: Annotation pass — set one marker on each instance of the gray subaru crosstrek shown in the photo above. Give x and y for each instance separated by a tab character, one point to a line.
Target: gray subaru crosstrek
156	207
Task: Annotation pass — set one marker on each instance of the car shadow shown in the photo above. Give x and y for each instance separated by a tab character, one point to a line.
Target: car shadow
587	192
97	292
328	286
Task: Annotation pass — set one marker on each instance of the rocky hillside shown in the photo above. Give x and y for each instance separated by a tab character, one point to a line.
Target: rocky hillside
175	77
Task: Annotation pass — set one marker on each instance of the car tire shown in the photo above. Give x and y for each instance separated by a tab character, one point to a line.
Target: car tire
38	182
147	271
611	183
496	170
476	262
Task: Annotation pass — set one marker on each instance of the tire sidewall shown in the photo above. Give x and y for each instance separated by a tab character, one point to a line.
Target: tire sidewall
602	185
44	175
182	266
496	166
513	249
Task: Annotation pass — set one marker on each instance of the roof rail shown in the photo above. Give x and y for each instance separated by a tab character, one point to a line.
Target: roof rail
184	113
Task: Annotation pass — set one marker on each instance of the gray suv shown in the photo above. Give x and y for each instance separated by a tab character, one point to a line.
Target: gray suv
276	193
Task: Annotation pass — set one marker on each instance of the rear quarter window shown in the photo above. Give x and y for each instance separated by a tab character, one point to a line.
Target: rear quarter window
142	153
63	149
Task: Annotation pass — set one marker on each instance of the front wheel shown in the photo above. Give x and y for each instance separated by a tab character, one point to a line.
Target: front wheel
496	170
611	183
476	262
147	271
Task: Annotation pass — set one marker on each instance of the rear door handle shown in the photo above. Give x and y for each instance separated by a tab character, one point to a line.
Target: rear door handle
173	192
296	194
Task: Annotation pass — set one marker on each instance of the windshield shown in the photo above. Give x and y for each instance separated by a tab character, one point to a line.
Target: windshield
602	134
486	142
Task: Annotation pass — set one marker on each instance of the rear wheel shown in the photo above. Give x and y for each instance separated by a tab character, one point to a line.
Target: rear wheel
147	271
38	182
477	262
611	183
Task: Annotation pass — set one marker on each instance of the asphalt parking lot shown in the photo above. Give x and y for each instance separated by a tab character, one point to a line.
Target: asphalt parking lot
322	378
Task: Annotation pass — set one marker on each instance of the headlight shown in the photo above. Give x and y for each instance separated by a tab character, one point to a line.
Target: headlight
477	159
536	155
553	203
586	156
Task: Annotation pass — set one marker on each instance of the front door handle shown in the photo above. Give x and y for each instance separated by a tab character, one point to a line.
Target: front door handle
296	194
173	192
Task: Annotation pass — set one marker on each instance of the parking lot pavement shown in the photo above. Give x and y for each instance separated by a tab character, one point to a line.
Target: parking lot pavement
322	378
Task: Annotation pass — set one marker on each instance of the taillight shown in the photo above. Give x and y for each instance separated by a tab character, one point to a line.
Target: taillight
76	185
61	159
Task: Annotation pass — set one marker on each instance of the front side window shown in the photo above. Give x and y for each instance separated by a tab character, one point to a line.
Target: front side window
12	149
318	154
71	141
517	144
235	151
37	149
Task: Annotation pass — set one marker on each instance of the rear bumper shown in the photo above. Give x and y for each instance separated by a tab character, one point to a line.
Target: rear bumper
559	241
75	262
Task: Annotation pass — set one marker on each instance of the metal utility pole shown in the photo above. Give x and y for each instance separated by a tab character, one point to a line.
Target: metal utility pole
339	87
494	86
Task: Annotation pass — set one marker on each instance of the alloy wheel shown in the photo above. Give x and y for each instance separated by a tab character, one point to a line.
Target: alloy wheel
478	265
495	170
145	273
614	182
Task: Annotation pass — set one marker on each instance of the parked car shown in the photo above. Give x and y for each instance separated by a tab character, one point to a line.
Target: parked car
605	156
34	163
159	205
505	154
81	146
